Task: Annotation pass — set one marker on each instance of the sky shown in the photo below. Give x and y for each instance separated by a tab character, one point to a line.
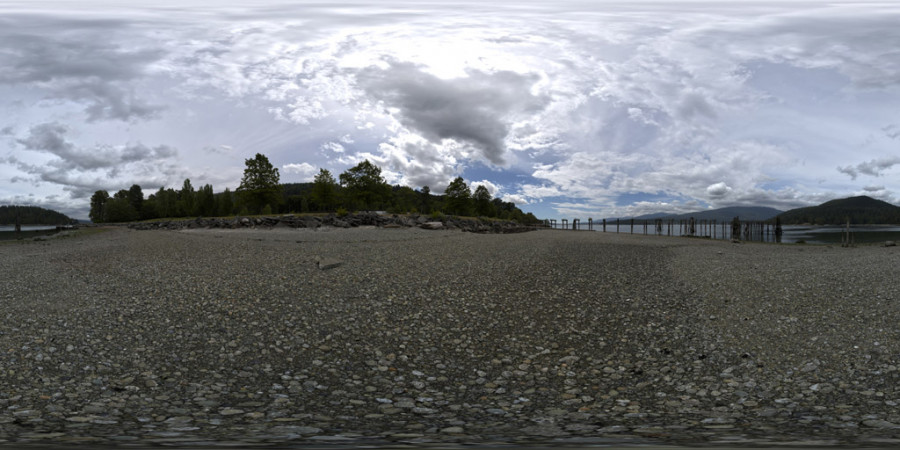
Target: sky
569	109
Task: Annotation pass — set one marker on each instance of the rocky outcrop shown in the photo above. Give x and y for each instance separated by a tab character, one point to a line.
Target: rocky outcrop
348	221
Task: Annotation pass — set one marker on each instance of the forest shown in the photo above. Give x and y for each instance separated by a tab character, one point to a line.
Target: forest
359	188
33	215
862	210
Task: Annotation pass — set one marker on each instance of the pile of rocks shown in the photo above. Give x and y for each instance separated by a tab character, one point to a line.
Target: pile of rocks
345	221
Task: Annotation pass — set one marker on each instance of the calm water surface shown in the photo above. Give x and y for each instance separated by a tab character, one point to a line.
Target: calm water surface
27	227
869	234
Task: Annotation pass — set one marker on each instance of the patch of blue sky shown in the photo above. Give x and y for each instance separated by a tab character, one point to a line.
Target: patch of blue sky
506	179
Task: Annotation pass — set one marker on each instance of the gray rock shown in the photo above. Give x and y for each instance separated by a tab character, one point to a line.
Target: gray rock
879	423
328	263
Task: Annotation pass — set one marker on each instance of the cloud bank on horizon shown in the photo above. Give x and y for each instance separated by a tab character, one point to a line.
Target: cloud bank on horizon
575	109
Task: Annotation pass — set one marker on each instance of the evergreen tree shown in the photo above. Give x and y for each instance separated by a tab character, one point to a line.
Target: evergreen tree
98	206
166	202
426	200
324	191
136	198
482	201
186	199
365	186
225	206
119	208
206	201
260	184
459	198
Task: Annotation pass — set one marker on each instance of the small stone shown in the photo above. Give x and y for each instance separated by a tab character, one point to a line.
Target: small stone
879	423
79	419
328	263
452	430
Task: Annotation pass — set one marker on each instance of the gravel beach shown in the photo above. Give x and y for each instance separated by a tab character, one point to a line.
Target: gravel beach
370	336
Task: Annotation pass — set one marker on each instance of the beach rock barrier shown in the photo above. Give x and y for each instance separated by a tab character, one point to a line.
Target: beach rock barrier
348	221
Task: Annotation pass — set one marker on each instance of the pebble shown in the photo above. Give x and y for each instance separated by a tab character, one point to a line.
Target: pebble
244	340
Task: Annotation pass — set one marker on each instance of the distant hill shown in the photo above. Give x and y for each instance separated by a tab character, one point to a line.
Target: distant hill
860	210
33	215
751	213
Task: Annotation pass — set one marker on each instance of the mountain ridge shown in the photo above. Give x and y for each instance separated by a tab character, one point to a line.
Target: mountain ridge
750	213
859	210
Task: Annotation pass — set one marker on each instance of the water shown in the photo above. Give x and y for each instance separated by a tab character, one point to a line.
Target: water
831	235
27	227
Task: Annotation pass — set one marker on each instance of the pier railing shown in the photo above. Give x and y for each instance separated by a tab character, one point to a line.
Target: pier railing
734	229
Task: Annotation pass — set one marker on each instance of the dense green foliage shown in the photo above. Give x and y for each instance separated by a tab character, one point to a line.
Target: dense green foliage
364	186
33	215
459	198
481	201
861	210
324	193
360	187
260	186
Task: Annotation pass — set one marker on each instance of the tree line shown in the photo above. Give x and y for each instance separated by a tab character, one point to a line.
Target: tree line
361	187
33	215
861	210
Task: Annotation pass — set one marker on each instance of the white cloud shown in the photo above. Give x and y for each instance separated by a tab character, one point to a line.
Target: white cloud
305	171
491	187
333	147
592	105
718	190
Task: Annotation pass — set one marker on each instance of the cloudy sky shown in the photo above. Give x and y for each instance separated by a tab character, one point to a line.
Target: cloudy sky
567	108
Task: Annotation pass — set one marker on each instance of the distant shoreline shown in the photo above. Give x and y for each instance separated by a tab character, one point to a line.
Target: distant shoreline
46	230
12	235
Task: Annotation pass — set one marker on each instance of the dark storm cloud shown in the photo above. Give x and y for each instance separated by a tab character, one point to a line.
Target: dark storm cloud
51	138
476	110
79	65
873	168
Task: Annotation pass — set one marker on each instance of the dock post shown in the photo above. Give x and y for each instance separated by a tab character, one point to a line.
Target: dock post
18	222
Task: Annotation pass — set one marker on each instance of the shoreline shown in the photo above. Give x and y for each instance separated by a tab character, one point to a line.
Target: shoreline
424	337
25	234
